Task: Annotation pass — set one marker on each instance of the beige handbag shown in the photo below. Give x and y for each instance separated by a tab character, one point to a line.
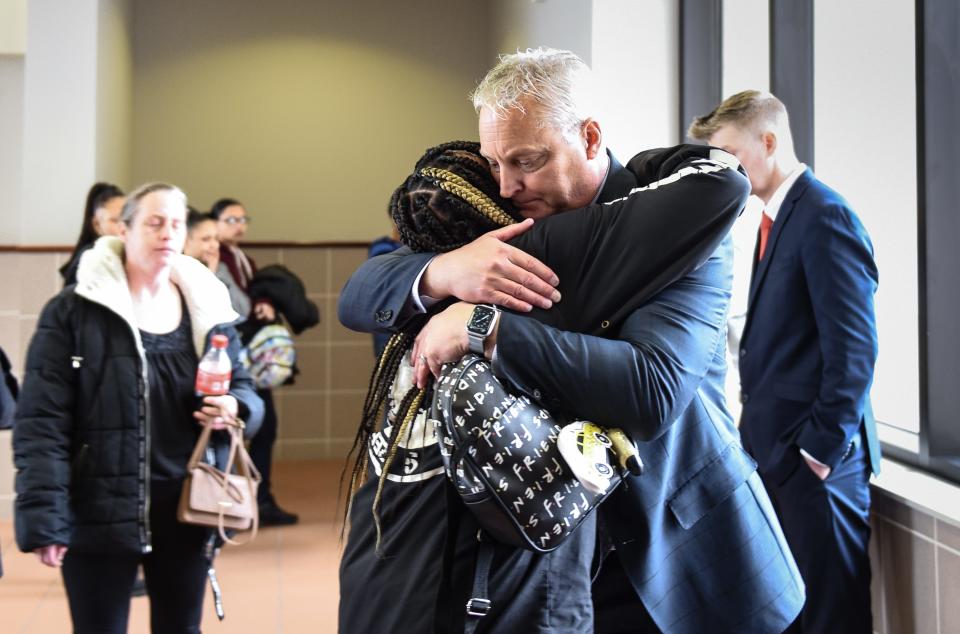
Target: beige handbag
221	499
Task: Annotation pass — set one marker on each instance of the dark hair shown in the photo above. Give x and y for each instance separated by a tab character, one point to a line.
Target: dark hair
217	210
449	200
97	197
195	217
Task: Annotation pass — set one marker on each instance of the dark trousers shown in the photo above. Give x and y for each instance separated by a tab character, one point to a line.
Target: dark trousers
98	584
826	523
261	445
617	608
529	592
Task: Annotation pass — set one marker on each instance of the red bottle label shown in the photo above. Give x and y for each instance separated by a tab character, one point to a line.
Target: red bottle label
210	384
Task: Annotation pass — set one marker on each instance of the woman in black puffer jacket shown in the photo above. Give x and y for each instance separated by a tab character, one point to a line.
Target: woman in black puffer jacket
107	419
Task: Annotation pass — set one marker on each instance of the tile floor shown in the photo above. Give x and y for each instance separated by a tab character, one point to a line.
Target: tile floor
285	581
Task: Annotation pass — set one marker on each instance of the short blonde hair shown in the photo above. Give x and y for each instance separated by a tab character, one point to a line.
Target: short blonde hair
748	110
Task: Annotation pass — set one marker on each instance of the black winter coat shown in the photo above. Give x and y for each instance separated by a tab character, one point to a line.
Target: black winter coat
82	432
285	291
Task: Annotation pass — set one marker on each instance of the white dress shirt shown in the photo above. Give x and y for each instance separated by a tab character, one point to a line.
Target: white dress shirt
776	201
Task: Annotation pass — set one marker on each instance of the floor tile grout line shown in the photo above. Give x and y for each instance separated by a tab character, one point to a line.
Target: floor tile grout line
43	597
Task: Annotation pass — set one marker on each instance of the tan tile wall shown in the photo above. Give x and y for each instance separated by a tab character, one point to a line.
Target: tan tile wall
915	559
318	415
27	281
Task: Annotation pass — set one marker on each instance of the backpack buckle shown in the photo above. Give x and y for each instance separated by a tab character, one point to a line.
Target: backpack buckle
478	607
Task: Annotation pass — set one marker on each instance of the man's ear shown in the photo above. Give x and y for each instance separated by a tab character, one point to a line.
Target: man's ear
592	137
769	140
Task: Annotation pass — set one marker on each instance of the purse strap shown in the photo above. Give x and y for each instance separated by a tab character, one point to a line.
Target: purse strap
237	455
245	467
199	448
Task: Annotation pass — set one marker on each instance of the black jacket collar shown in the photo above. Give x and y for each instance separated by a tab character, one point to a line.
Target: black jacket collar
619	181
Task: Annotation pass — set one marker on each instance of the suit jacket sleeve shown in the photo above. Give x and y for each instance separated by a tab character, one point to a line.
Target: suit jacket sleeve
641	382
841	278
376	298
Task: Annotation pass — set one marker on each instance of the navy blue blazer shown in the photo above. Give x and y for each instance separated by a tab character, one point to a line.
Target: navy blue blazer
696	533
810	340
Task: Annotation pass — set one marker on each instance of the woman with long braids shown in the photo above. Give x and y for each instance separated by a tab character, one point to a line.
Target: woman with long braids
407	559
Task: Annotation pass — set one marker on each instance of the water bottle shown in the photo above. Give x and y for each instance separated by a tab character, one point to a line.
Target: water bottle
214	370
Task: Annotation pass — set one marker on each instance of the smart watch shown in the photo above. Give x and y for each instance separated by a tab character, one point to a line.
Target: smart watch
480	325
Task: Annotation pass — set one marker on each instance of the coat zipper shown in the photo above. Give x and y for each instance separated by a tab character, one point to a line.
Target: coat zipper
145	535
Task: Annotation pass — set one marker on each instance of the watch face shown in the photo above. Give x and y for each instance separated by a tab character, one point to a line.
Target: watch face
481	320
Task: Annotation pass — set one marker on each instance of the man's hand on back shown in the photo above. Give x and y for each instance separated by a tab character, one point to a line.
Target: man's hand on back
489	271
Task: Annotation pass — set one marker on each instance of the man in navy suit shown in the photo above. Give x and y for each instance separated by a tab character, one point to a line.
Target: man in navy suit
806	361
692	545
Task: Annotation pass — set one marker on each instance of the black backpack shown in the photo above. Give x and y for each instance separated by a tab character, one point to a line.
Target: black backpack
500	452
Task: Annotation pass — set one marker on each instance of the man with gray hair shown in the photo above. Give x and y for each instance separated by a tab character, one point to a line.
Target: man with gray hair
806	361
693	544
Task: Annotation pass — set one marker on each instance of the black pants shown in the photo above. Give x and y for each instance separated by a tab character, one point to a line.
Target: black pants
261	445
530	593
98	584
617	607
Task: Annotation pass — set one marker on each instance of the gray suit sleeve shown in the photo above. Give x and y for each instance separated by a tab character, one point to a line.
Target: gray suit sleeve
377	298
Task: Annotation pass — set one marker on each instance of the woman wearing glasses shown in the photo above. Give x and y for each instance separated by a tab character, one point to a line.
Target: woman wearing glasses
232	221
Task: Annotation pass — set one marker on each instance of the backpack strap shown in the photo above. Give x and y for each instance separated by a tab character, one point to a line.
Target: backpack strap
479	605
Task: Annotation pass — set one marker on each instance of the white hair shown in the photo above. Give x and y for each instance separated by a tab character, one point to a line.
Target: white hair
559	81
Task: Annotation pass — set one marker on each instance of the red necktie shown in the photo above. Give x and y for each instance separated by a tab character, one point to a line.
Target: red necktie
765	223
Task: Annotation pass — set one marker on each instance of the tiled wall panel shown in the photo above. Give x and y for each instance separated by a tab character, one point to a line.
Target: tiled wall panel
916	569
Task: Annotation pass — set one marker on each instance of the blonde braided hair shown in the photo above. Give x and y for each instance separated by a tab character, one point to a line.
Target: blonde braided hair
449	200
450	182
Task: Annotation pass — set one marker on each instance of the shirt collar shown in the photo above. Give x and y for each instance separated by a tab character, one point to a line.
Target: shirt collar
605	177
776	201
